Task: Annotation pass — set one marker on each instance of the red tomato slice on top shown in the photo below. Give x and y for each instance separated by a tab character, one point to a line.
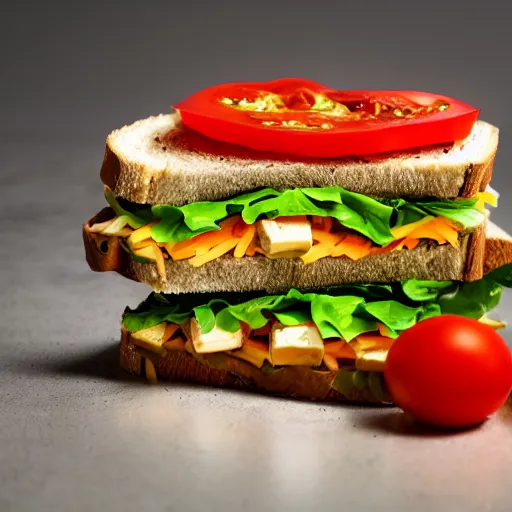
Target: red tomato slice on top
304	118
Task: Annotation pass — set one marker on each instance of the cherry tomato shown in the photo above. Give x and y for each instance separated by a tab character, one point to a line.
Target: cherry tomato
305	118
449	371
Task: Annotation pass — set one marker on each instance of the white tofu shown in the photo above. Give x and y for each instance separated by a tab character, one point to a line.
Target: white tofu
285	237
297	345
217	340
371	360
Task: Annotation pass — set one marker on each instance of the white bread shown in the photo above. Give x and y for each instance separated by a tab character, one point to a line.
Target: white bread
468	262
159	161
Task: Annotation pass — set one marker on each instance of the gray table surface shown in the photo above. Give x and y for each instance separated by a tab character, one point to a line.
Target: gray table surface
78	434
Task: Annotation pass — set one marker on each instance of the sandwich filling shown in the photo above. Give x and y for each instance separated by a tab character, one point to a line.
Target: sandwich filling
305	223
350	327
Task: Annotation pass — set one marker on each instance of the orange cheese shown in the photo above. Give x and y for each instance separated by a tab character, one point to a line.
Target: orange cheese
319	235
339	350
170	330
214	253
244	242
407	229
446	229
140	234
331	362
316	252
353	246
177	343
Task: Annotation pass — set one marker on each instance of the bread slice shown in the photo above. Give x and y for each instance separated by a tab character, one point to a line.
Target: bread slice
224	371
475	255
159	161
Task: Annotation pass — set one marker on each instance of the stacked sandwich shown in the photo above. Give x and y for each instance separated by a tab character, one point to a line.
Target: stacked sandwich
288	247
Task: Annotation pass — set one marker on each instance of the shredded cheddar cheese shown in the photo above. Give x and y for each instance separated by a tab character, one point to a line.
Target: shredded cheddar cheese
244	242
214	253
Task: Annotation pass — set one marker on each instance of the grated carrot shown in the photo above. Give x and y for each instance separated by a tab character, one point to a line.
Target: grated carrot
339	349
447	229
327	224
387	248
174	344
316	252
200	244
317	221
427	231
324	237
183	254
353	246
398	245
214	253
229	223
245	241
251	250
411	243
169	246
240	228
331	363
170	330
407	229
383	329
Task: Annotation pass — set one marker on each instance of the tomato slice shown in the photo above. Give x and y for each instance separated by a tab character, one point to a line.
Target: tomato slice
304	118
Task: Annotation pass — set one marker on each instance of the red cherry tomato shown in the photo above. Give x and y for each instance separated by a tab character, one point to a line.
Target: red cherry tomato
449	371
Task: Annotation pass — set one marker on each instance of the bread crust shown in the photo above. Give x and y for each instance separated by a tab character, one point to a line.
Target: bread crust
159	161
498	248
292	382
475	256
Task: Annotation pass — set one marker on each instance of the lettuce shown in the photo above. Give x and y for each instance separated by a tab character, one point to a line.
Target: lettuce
343	312
373	218
134	220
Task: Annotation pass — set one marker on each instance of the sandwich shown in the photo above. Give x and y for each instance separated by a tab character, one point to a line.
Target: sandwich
290	232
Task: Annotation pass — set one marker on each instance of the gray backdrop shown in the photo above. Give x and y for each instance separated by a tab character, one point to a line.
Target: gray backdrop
75	434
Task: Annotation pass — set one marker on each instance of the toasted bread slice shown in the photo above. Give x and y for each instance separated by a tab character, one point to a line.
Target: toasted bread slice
159	161
479	252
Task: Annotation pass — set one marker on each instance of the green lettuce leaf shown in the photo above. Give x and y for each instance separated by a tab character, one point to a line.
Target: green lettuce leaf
472	300
344	312
135	220
418	290
373	218
502	275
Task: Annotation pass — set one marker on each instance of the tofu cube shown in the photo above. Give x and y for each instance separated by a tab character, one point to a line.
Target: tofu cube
297	345
217	340
372	360
285	237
